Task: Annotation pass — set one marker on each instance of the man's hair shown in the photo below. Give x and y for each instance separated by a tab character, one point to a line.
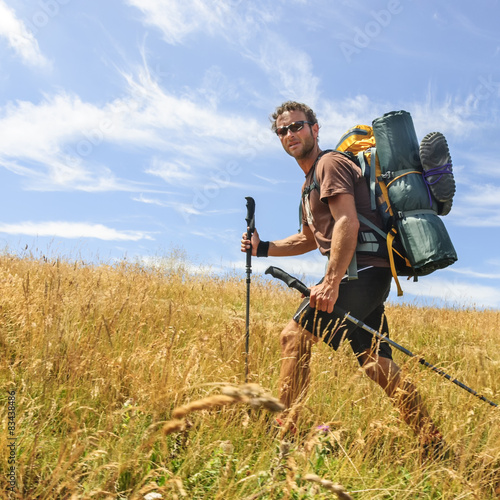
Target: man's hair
293	106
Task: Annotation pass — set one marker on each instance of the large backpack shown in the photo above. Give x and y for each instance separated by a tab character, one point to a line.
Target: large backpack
413	235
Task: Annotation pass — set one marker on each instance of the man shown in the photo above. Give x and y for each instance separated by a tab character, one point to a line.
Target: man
330	223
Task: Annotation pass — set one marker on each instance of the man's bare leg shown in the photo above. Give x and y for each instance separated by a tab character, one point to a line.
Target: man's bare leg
387	374
295	369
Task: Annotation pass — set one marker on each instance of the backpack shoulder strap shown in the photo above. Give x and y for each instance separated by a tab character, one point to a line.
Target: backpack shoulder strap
369	172
314	185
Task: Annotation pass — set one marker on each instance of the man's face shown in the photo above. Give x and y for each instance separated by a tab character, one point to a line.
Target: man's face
301	143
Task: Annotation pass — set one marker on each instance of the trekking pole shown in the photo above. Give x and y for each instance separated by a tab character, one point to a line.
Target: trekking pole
250	218
292	282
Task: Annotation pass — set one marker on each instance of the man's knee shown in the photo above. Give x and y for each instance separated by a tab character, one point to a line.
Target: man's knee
294	336
383	371
289	335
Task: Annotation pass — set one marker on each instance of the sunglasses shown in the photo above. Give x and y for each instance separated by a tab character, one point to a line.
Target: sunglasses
293	127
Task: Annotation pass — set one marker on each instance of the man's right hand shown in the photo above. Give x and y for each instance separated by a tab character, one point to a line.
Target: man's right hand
253	243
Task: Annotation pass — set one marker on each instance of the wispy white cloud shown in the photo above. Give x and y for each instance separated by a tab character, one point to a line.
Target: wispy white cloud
477	165
471	273
170	172
453	116
477	218
270	180
185	209
478	206
73	230
441	292
309	269
469	28
179	263
150	201
483	195
178	19
244	26
289	68
19	39
59	153
337	116
43	147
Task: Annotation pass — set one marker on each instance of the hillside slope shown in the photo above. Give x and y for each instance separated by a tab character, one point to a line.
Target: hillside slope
94	359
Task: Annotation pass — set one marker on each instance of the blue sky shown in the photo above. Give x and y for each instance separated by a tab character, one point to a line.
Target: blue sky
131	128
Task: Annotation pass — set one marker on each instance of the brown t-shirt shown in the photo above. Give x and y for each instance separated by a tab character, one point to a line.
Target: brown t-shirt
336	174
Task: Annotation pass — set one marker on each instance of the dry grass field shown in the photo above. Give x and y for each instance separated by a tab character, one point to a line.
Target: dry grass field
96	358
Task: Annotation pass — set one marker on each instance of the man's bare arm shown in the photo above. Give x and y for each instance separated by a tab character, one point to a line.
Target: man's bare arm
343	246
344	237
296	244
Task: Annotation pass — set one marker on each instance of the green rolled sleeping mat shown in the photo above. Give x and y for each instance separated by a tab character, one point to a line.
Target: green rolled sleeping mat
420	230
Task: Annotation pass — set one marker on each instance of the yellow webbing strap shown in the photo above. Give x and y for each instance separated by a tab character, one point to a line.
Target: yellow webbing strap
408	172
392	233
390	239
382	185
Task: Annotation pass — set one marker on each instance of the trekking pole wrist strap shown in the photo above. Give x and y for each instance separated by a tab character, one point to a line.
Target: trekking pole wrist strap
263	249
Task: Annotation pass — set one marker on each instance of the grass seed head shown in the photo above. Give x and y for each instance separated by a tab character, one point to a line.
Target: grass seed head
329	485
173	426
203	404
255	396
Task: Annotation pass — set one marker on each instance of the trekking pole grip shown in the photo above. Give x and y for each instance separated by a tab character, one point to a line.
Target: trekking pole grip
250	218
292	282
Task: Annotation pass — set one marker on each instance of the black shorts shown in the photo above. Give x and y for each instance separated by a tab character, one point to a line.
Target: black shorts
363	299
